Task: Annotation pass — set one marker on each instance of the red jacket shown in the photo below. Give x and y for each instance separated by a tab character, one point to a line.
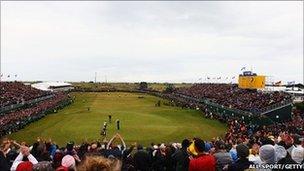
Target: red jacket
205	162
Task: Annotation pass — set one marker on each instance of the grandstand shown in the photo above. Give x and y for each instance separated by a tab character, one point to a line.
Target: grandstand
231	101
21	104
296	91
243	110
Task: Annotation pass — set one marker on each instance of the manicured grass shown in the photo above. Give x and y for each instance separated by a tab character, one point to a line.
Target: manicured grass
126	86
141	121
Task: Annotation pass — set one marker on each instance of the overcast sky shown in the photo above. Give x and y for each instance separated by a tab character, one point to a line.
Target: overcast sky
151	41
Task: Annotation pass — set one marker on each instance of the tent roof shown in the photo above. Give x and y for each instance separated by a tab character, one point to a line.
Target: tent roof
46	85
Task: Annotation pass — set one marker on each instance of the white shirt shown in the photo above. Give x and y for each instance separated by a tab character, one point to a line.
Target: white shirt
19	158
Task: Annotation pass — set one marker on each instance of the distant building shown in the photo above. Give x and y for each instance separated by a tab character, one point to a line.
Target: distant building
53	86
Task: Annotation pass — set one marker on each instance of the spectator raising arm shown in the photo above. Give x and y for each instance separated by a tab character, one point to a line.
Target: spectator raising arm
121	139
24	152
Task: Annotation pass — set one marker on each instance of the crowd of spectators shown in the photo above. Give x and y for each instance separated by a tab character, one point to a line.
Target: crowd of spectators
229	95
17	92
33	106
17	119
242	148
244	145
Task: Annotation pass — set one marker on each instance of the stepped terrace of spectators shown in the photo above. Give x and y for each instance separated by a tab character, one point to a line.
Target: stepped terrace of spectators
22	104
17	119
16	92
229	95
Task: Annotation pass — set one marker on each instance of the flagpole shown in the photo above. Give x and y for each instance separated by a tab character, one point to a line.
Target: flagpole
95	76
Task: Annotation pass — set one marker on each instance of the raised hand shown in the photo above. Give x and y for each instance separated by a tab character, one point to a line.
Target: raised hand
25	151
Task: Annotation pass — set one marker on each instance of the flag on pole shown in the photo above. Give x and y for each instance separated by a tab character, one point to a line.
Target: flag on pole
278	83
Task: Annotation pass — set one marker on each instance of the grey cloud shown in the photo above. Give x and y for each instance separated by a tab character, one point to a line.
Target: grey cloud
155	41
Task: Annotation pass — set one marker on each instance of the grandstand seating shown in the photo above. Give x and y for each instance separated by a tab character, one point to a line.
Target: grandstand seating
229	95
21	104
16	92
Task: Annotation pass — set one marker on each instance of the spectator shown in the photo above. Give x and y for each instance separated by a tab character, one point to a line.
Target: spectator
68	162
268	154
17	92
280	152
142	160
297	153
17	119
116	150
43	166
3	163
20	164
222	157
204	161
281	144
254	154
231	96
233	153
25	166
159	159
97	163
242	163
181	157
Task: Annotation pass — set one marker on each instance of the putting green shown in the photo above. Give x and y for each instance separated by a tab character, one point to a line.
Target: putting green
141	121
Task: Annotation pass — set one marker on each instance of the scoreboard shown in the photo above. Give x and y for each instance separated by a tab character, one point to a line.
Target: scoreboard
251	81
